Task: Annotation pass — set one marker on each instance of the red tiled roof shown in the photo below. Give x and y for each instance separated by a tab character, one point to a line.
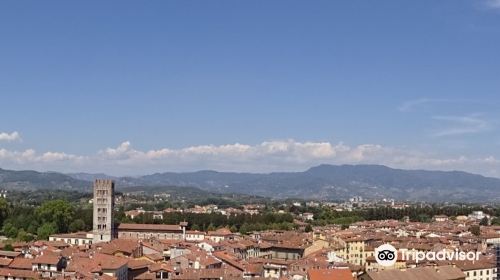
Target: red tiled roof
160	266
229	259
330	274
137	264
5	261
17	273
154	257
220	232
208	274
109	262
119	245
9	254
21	263
146	276
83	265
46	259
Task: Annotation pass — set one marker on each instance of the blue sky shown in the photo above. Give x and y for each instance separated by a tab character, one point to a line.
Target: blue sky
134	87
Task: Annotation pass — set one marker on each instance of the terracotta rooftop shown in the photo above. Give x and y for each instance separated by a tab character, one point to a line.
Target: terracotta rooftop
5	262
138	263
9	254
16	273
47	259
190	274
427	273
127	246
330	274
109	262
21	263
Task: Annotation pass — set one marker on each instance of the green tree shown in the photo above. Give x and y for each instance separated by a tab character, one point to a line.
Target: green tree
46	230
308	228
8	247
495	221
423	218
195	227
76	225
475	229
58	212
484	221
10	230
4	207
86	214
33	227
244	229
22	235
211	227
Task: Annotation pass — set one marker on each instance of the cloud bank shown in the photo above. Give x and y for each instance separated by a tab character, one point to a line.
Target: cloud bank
9	137
268	156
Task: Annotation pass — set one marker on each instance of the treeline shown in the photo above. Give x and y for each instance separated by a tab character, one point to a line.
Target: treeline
242	223
418	214
326	215
36	198
26	223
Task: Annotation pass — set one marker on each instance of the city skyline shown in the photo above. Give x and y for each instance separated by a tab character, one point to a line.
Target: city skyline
129	89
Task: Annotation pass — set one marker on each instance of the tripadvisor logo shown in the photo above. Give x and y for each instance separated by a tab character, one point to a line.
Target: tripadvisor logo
386	255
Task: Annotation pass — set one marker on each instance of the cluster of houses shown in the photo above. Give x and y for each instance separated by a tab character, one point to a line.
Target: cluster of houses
131	251
357	246
172	252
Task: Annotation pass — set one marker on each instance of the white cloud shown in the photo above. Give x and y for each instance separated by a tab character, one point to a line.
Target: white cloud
14	136
56	156
458	125
123	150
268	156
30	156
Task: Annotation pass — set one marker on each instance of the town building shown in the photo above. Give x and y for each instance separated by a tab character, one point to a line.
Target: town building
77	238
147	231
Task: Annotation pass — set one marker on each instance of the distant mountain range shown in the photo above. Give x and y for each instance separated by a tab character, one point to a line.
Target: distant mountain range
320	182
30	180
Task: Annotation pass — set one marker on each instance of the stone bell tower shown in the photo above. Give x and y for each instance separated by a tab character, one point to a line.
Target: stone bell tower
104	203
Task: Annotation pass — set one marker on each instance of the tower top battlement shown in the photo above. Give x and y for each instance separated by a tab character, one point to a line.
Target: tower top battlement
103	182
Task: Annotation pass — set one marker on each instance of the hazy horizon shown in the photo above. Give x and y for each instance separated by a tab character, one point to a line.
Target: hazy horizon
237	171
